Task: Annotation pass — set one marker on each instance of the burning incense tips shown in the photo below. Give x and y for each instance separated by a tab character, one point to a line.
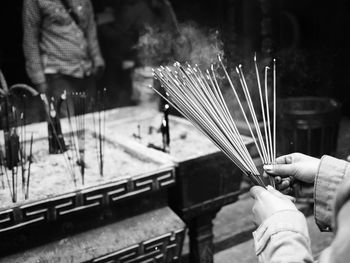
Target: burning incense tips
199	98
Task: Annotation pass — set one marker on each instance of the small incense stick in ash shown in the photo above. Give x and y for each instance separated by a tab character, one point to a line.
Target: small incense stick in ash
100	108
30	160
198	97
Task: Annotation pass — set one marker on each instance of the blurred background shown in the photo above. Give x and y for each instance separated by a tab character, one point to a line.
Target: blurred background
310	40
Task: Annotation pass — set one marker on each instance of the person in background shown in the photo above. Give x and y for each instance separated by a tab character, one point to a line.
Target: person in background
60	46
283	234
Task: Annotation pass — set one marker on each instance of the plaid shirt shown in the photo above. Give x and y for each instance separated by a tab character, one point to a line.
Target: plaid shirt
54	43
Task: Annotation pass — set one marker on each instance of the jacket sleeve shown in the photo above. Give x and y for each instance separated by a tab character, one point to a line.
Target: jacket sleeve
331	173
31	39
91	34
283	237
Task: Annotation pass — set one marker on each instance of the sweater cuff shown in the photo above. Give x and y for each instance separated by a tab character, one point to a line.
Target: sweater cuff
287	220
329	176
98	61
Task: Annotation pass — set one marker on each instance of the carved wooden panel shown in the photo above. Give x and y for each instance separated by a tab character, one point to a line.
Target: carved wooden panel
163	249
99	197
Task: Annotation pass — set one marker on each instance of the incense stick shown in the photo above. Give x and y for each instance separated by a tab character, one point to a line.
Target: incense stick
198	97
79	104
4	164
2	176
274	110
30	160
100	108
270	148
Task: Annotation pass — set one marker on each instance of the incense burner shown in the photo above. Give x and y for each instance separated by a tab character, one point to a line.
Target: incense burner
60	205
199	162
206	178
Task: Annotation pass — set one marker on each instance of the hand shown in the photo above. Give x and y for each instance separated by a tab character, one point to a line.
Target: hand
42	87
293	166
268	202
128	64
98	71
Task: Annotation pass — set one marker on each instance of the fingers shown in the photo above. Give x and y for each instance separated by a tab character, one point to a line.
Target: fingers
279	194
274	191
285	159
256	191
285	182
291	198
284	185
287	191
282	170
278	179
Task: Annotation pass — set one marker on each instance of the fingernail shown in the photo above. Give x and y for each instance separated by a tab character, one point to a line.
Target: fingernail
268	167
269	187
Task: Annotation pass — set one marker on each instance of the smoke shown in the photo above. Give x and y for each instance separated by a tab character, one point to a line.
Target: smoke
201	46
154	47
205	44
191	44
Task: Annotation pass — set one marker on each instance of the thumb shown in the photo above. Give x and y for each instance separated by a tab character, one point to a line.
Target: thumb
256	191
282	170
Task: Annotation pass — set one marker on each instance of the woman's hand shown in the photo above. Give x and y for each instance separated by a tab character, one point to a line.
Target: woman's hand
293	166
268	202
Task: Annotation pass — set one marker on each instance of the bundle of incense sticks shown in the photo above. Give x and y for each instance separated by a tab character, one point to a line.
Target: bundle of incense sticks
77	129
58	133
198	96
13	154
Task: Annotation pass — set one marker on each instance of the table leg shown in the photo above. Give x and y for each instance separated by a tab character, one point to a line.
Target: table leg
201	238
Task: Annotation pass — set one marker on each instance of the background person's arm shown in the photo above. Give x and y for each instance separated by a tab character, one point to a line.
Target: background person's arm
31	40
93	45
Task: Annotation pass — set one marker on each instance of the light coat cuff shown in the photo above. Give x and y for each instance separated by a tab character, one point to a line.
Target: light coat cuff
287	220
330	174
